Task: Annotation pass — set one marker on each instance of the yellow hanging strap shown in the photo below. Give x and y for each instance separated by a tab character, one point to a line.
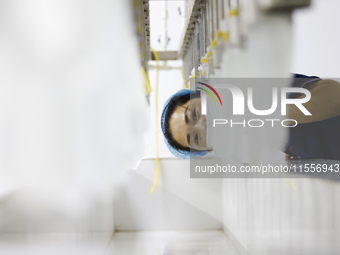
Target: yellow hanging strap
186	86
147	87
213	43
225	36
219	34
234	12
205	60
157	119
141	45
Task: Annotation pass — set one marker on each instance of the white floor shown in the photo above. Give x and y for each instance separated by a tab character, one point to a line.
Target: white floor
122	243
172	243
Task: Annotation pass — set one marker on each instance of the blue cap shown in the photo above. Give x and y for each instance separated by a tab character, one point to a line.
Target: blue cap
176	152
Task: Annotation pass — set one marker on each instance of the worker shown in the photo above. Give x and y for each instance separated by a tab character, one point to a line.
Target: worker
315	136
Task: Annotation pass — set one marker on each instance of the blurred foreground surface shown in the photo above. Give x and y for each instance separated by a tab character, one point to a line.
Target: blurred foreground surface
123	243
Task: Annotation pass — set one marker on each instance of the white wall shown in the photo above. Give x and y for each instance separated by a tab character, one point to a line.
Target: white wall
178	203
316	39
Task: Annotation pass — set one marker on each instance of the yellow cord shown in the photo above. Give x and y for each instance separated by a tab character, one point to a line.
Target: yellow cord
186	86
219	34
213	43
147	87
234	12
204	60
157	146
225	36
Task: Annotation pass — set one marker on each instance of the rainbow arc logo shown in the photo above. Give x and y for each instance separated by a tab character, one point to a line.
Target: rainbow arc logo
209	93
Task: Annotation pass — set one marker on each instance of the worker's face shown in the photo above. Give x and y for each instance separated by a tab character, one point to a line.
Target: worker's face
188	127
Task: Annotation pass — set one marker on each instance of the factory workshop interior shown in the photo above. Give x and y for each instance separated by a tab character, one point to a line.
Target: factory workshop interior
84	165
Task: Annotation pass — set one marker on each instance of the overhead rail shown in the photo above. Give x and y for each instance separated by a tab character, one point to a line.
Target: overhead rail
142	19
213	26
